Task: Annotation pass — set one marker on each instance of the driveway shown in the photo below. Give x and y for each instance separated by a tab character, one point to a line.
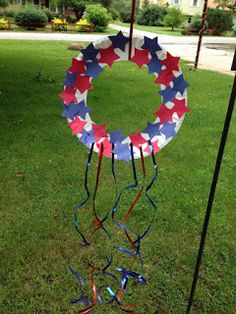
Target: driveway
213	55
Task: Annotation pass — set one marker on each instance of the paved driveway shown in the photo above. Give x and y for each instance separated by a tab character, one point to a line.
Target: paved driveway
213	55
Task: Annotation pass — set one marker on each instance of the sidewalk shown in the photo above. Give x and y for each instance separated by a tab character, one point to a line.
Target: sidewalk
184	46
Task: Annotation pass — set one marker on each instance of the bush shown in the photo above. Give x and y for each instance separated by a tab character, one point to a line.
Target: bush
49	14
234	30
174	17
7	13
60	24
30	17
123	7
219	20
115	14
98	15
82	25
152	15
3	24
196	23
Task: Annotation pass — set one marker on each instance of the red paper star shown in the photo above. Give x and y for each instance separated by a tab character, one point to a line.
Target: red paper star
108	56
164	114
155	147
140	57
68	95
99	131
137	139
164	77
77	66
171	62
77	125
83	83
107	148
180	107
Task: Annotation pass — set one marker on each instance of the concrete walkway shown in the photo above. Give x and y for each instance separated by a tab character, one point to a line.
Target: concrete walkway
219	59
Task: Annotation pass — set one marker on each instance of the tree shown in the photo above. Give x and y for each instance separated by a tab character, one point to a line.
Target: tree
3	3
174	17
226	4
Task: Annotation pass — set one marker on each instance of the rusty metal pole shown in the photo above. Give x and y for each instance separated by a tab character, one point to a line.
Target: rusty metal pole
202	29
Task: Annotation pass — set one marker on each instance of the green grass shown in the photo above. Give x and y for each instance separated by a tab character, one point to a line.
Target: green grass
154	29
41	174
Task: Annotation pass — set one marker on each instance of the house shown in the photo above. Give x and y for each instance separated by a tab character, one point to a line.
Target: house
188	7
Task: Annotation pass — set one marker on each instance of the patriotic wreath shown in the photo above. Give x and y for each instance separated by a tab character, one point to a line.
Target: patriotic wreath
145	52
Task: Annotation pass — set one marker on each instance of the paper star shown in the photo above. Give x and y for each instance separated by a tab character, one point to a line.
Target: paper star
152	129
90	53
164	77
171	62
137	139
180	107
168	129
119	41
168	94
77	125
99	131
87	137
77	66
68	95
151	45
122	151
140	57
70	79
108	56
107	148
83	83
93	69
155	148
164	114
83	109
116	137
180	84
154	66
71	110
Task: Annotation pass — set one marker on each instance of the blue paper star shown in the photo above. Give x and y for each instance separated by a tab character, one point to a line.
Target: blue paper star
151	45
119	41
116	137
87	137
93	69
168	94
90	53
152	129
154	66
122	151
168	129
70	79
180	84
83	109
71	110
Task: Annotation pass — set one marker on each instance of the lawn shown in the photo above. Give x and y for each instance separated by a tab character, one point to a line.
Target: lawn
154	29
41	174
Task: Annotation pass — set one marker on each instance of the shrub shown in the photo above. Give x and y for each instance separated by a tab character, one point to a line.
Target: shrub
234	30
98	15
219	20
82	25
115	14
3	24
152	15
174	17
123	7
30	17
49	14
196	23
60	24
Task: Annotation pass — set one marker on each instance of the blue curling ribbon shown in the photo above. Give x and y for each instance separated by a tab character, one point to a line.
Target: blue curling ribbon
87	198
74	273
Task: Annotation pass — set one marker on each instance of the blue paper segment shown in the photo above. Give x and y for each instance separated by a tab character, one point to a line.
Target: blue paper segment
168	94
93	69
179	84
168	129
116	137
119	41
90	53
152	129
151	44
154	66
122	151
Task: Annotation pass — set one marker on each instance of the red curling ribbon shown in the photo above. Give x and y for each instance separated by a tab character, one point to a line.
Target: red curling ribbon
135	201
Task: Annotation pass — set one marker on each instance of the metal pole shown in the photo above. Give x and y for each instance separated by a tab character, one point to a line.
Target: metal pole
213	187
202	29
